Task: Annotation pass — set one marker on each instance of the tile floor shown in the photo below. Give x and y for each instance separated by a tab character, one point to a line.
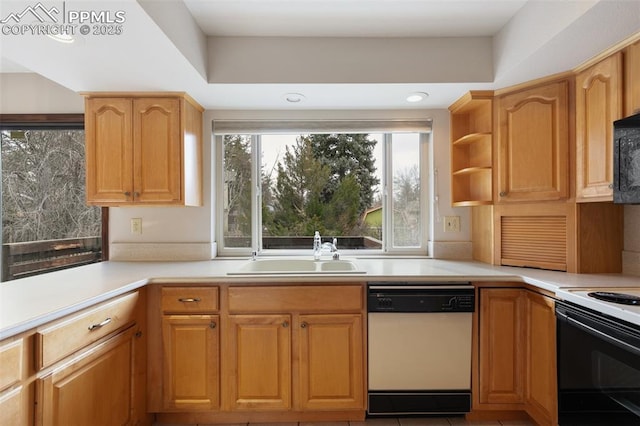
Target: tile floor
423	421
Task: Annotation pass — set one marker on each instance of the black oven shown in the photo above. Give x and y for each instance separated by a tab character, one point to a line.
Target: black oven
598	368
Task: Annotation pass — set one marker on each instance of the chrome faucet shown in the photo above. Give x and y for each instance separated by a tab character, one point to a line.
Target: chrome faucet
333	248
318	246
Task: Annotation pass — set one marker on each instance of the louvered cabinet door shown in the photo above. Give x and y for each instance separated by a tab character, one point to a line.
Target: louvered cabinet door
534	241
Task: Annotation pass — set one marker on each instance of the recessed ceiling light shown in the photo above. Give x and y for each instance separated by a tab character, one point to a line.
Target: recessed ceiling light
62	38
294	98
417	96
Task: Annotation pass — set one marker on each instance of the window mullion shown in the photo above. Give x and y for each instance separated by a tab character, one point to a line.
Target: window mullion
387	198
256	194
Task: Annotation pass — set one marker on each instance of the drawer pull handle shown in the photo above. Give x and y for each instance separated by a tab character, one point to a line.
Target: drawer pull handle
102	324
189	299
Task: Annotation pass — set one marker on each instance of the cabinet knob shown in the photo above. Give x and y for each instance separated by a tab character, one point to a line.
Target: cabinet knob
213	324
136	195
303	325
285	324
127	194
610	186
503	193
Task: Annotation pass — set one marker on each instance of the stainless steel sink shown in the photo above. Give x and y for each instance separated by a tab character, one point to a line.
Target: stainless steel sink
296	266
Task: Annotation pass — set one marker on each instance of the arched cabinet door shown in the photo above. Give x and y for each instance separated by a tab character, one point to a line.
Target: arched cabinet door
598	105
533	144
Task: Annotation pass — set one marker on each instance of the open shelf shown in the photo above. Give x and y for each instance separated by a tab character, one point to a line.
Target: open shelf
471	149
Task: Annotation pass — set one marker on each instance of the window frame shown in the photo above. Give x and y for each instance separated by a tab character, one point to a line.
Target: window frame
425	138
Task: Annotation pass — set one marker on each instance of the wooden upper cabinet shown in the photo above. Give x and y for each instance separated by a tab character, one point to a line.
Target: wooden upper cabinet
632	79
109	150
598	104
143	149
533	143
156	153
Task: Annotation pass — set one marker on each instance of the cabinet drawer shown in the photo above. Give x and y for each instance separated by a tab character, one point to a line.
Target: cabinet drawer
11	356
189	299
66	336
307	298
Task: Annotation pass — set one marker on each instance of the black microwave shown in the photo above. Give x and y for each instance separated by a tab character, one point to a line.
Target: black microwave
626	160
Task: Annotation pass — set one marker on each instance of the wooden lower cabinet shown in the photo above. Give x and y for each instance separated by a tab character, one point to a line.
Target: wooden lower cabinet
516	350
286	353
323	371
541	396
16	406
95	388
501	350
191	346
331	362
259	362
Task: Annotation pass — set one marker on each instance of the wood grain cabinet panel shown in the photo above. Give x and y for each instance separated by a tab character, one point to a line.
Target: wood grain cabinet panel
501	341
331	362
598	104
143	149
16	407
95	388
109	150
632	79
259	359
517	353
541	391
533	144
192	362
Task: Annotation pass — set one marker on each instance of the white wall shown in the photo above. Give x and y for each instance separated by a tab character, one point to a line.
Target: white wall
29	93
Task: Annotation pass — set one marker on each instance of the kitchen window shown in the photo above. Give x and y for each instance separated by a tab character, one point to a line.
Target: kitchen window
363	184
46	224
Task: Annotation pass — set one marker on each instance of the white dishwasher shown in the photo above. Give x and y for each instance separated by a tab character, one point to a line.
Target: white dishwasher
419	348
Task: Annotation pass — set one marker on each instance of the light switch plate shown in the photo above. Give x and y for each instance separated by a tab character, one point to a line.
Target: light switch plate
452	224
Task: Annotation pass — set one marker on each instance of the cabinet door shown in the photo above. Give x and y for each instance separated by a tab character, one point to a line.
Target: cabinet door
109	150
331	362
501	346
15	407
191	362
259	361
94	389
533	144
632	79
541	390
157	154
598	104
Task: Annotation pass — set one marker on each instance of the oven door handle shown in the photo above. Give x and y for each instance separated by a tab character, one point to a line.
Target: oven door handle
595	332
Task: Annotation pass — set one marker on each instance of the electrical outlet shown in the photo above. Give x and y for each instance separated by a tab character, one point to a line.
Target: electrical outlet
136	225
452	224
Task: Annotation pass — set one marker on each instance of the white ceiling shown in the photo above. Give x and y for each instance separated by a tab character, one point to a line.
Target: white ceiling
246	54
352	18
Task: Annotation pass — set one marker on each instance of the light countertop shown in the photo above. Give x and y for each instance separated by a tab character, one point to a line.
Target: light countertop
29	302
